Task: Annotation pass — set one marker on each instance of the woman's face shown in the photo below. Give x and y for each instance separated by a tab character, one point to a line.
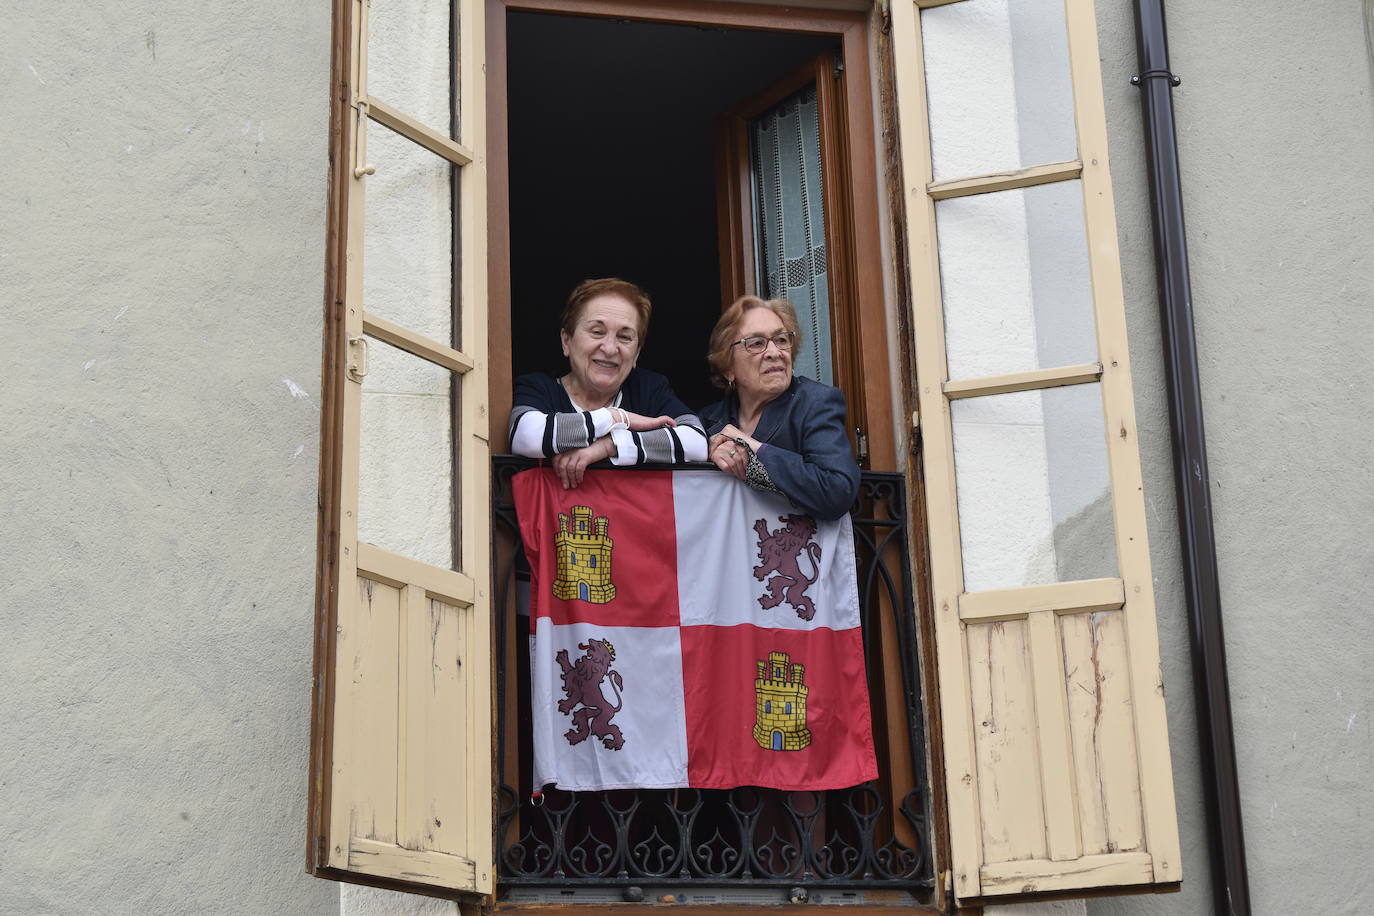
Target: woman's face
761	375
604	344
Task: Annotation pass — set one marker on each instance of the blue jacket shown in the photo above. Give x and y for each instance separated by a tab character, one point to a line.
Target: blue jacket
808	454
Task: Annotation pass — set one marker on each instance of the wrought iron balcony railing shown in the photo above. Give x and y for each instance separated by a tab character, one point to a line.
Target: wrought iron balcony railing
806	844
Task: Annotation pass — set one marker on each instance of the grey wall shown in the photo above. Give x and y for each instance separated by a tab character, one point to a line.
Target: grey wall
1276	135
161	264
161	270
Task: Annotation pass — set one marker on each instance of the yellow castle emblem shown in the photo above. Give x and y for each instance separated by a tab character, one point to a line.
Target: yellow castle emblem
780	704
584	557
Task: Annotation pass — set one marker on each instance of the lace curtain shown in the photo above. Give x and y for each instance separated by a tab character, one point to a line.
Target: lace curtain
789	214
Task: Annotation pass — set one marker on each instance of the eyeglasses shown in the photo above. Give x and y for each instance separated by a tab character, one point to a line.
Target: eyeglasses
757	344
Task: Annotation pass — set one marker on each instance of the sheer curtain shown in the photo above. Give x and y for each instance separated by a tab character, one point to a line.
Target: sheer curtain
789	214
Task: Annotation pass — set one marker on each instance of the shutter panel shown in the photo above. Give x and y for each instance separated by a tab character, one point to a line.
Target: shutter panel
1055	742
402	762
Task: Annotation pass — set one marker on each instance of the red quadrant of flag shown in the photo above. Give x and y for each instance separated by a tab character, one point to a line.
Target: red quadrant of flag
637	510
782	708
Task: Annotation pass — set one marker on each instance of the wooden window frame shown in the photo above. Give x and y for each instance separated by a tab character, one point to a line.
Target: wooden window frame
1131	591
342	559
932	489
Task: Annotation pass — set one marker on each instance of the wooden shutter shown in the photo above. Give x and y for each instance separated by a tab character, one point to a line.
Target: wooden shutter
402	757
1054	737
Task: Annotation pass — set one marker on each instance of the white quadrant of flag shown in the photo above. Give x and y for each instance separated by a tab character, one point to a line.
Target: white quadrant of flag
644	743
717	582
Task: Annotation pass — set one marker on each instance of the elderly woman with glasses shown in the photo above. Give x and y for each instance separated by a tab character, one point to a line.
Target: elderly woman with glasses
777	431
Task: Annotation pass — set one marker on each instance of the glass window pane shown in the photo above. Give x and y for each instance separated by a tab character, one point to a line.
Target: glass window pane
405	481
1034	492
998	85
409	58
789	203
1015	282
408	236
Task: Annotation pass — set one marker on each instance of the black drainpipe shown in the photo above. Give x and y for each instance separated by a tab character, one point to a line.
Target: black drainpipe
1230	887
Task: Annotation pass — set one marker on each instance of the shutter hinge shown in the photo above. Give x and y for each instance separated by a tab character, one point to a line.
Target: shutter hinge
357	358
838	68
915	432
861	443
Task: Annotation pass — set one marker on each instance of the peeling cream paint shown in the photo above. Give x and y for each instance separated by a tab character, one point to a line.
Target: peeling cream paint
35	73
89	364
296	390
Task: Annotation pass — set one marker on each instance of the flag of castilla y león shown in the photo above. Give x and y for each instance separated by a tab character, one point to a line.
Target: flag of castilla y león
690	631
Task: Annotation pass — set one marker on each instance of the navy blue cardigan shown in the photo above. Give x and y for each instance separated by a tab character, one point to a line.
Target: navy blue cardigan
643	392
808	454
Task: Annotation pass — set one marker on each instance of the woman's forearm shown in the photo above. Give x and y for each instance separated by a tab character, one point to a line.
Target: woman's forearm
823	486
535	434
685	442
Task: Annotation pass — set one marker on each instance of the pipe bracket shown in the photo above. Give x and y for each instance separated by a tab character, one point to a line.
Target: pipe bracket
1139	79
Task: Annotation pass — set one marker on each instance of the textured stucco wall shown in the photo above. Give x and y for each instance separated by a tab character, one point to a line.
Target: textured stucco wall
161	271
160	286
1276	135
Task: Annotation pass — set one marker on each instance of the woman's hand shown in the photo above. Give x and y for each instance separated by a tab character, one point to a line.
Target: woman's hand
642	424
728	455
570	466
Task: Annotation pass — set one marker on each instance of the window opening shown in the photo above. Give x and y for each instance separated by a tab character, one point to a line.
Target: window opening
610	176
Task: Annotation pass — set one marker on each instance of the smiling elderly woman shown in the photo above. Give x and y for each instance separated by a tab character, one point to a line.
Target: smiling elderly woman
776	431
603	407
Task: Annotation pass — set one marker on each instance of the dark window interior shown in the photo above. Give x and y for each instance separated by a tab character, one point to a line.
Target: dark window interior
612	172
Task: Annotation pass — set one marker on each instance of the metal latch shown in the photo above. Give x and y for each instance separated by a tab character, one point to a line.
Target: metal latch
362	167
357	358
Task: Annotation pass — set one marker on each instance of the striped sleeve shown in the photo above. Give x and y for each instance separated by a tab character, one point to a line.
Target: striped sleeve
679	444
535	434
